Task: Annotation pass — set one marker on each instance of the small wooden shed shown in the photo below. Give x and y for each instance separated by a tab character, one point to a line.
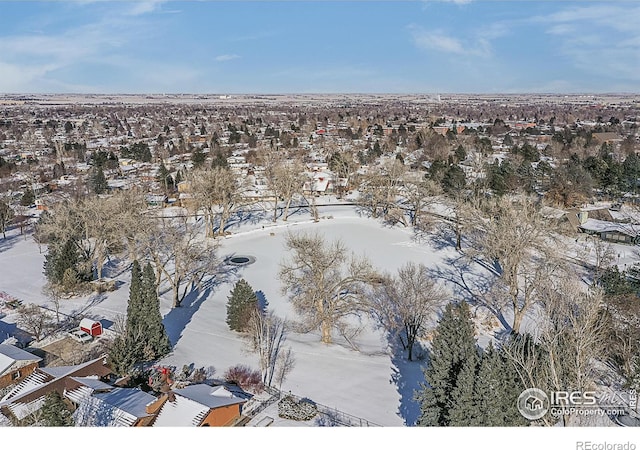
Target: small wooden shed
91	327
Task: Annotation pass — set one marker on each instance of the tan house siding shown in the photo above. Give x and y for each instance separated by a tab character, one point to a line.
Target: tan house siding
221	417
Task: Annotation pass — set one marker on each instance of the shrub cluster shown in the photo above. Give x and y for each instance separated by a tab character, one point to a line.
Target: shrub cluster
288	408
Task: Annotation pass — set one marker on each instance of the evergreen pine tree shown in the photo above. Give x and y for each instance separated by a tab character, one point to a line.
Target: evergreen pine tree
164	178
121	356
59	259
157	339
135	324
496	391
99	181
28	197
511	387
55	412
488	391
452	365
242	302
134	307
460	406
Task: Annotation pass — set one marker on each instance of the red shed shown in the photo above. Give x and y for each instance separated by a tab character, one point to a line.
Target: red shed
92	327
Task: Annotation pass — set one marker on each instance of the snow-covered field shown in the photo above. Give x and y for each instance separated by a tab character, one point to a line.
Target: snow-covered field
374	382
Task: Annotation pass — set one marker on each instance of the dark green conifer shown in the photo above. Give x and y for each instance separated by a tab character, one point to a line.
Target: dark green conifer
157	339
55	413
242	302
452	365
60	258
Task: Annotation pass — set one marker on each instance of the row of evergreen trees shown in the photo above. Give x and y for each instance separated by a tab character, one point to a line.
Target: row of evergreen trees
144	337
465	385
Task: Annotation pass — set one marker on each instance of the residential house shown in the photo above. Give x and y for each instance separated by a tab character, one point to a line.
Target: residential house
107	406
199	405
16	364
319	183
609	225
29	395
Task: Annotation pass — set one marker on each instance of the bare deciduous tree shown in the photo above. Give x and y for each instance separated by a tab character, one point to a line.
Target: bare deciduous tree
34	320
6	214
404	304
267	334
285	364
218	193
518	238
289	180
417	195
181	255
380	191
323	283
284	178
570	338
133	220
54	293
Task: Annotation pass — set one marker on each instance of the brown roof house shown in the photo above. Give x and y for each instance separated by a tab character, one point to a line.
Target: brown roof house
199	405
15	364
28	396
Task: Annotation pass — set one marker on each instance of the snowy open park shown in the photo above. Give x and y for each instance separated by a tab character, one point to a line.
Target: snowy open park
374	382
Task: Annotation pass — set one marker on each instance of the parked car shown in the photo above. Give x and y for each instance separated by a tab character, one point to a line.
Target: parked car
80	336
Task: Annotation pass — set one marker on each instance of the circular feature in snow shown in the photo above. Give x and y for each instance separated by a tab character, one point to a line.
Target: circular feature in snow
241	260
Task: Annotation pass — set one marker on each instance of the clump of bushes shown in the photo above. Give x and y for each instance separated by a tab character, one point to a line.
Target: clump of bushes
248	379
305	409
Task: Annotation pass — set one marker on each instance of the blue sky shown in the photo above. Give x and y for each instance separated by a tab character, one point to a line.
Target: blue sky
458	46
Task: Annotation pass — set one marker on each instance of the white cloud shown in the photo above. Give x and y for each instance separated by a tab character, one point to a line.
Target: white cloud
438	40
42	58
144	7
600	40
221	58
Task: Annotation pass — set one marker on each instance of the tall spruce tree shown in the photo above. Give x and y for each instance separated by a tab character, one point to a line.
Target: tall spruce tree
242	302
449	377
122	357
487	390
461	408
496	392
127	349
135	311
145	337
511	388
157	343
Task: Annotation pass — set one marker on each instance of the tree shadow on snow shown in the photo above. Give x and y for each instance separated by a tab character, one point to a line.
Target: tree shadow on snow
263	303
11	330
471	285
8	242
407	376
176	320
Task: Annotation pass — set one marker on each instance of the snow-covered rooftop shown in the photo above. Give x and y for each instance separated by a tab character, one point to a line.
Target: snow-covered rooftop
120	407
211	396
10	355
181	412
602	226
